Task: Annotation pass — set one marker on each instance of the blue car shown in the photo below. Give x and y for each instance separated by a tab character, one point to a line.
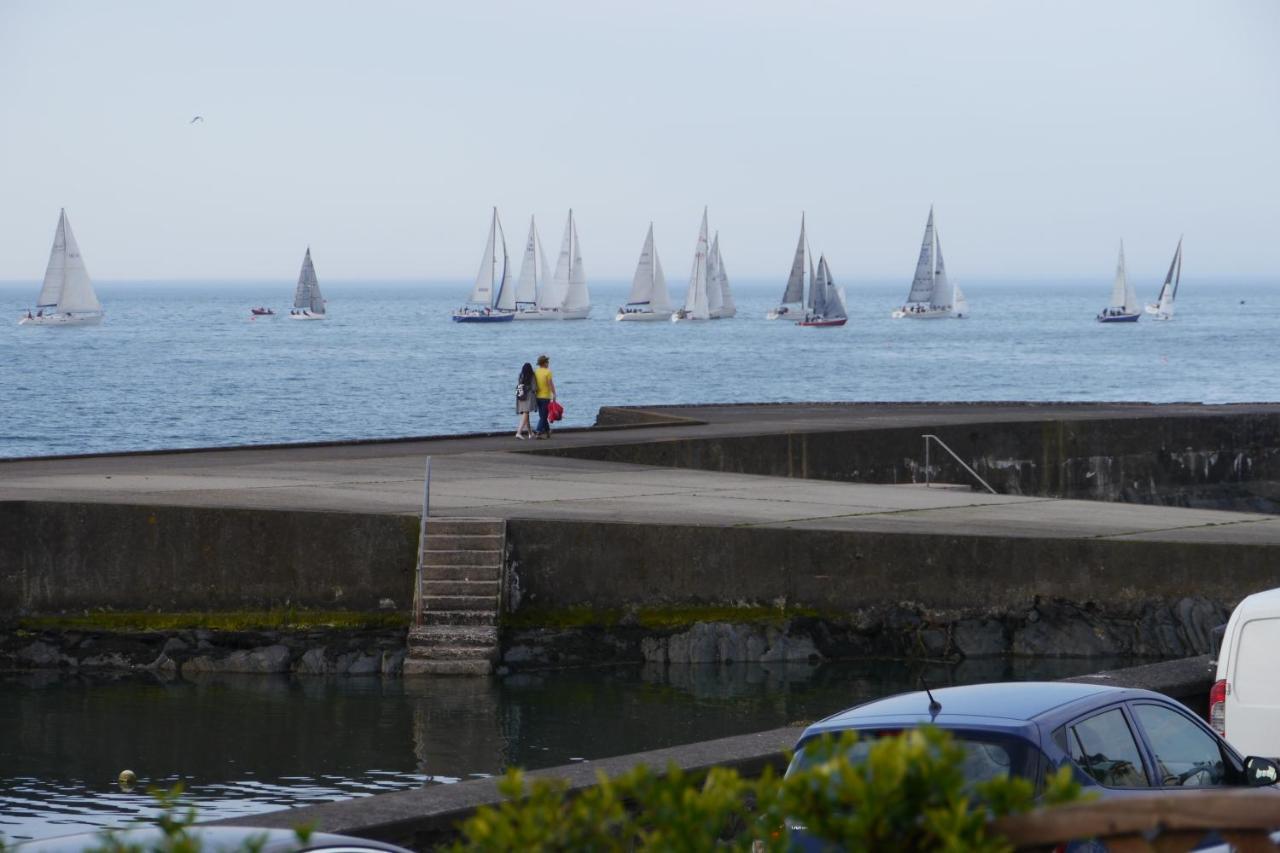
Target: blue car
1118	741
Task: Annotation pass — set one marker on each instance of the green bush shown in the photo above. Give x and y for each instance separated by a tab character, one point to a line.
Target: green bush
908	794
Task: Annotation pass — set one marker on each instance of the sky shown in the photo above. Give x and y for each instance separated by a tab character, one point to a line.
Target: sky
381	134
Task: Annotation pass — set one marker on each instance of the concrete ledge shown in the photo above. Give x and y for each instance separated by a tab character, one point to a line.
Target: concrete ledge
424	817
428	816
1188	679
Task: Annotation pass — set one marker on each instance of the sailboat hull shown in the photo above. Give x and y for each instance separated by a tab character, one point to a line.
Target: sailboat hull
823	323
62	320
553	313
722	315
306	316
1155	310
495	317
930	314
647	316
782	312
1118	318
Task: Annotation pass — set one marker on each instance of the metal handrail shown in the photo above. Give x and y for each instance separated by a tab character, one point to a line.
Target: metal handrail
943	445
422	544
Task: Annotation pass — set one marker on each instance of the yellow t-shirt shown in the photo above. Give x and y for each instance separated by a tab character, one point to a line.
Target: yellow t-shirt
542	378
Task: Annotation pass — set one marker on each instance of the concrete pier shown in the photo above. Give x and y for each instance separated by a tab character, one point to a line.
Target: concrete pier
335	525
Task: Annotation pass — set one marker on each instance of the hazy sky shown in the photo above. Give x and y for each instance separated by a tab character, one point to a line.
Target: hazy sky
381	134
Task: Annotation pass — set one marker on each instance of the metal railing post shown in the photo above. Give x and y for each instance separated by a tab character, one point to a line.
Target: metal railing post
927	437
422	544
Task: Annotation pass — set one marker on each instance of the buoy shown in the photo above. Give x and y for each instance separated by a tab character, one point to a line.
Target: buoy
127	779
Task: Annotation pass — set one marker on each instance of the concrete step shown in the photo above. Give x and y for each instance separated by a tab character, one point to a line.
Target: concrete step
453	652
431	574
466	588
460	602
418	666
452	542
433	557
463	635
454	618
465	527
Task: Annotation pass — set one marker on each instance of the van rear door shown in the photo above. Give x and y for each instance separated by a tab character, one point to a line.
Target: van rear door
1253	704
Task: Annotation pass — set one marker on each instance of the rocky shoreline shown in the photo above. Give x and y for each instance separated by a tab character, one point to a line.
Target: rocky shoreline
1047	628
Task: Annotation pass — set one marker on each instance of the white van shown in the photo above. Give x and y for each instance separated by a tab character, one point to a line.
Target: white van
1244	704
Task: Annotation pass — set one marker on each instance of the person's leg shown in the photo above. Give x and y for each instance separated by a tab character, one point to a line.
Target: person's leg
523	428
544	426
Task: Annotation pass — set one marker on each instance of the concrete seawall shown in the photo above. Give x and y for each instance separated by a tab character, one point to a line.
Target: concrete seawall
57	557
1222	460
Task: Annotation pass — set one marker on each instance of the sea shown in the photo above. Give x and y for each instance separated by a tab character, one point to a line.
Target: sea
184	364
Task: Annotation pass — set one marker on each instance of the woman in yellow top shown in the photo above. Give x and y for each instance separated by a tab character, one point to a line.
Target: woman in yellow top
545	392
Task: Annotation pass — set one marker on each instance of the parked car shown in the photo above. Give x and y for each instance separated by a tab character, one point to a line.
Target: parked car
1244	704
1118	741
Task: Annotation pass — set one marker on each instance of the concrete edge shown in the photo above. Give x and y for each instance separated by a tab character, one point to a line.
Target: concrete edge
658	420
423	817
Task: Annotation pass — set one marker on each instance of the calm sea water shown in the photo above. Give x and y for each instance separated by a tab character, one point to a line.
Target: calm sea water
248	744
182	364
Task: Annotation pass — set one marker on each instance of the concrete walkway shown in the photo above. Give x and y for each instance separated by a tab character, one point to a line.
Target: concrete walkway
501	477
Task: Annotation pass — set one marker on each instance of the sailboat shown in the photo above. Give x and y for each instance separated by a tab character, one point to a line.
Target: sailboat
696	305
1162	308
308	304
533	285
793	301
66	296
1124	301
719	297
826	306
566	298
492	298
648	299
932	296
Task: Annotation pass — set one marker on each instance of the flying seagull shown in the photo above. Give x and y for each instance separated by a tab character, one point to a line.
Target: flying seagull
196	119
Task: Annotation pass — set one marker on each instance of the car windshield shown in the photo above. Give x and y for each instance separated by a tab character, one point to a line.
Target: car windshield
986	755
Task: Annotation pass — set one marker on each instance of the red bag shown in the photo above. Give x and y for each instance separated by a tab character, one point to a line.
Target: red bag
555	411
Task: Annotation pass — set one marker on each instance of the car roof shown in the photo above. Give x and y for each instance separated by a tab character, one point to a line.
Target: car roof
1002	705
1266	603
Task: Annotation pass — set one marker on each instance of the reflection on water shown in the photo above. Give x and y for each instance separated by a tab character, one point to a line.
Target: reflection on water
245	744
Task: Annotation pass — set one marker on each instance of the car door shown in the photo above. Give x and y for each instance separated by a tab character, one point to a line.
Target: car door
1104	748
1184	754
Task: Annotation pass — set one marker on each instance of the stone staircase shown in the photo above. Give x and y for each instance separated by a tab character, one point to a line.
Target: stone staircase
462	592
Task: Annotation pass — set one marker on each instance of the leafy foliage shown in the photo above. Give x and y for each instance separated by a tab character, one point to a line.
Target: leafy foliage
909	793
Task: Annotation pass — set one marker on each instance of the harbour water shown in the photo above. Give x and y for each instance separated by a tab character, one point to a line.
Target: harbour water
184	365
248	744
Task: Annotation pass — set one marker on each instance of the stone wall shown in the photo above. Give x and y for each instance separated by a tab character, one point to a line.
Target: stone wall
57	557
1221	461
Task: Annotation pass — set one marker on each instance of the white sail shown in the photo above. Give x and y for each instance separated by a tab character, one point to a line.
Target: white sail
941	295
834	303
659	300
715	301
642	283
577	297
559	289
505	299
67	287
922	284
55	272
306	295
795	282
961	306
728	308
489	273
818	295
1163	306
695	300
534	277
1123	296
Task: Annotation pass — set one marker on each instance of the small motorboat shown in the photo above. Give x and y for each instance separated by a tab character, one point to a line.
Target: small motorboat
263	312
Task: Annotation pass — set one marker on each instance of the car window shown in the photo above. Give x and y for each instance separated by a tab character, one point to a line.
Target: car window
1104	748
1186	755
986	755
